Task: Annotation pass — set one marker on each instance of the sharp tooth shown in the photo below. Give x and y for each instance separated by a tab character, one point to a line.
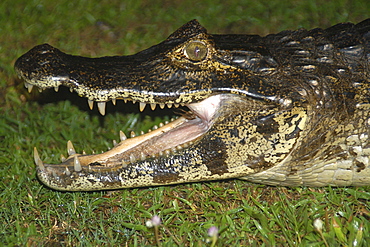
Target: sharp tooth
70	149
114	143
101	107
37	159
91	104
166	122
40	89
122	136
71	90
155	127
153	105
176	105
124	163
132	158
142	106
67	172
56	89
62	158
89	168
142	156
29	87
77	164
132	134
169	105
162	105
83	152
125	100
114	101
161	125
142	133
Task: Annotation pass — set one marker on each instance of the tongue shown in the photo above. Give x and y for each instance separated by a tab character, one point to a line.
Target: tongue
207	108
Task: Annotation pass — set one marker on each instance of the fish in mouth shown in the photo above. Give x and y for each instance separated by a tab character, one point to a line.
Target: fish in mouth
255	111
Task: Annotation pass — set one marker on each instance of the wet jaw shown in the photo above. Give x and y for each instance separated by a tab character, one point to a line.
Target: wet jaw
168	139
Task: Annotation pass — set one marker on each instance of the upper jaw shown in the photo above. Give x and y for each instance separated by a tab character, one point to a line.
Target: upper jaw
110	78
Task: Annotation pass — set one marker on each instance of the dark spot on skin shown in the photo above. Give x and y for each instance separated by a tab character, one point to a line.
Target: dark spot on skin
165	178
352	152
217	167
350	95
267	126
293	134
96	164
359	166
253	139
293	171
335	153
259	163
290	119
234	132
214	154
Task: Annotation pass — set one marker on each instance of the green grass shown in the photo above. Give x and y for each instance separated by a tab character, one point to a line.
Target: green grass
245	214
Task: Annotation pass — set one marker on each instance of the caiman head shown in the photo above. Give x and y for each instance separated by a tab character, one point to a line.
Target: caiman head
244	116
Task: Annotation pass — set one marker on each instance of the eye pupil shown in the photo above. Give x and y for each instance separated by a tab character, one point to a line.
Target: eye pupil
196	51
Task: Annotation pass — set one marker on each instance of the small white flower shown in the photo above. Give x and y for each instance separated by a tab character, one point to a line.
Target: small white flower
149	224
318	224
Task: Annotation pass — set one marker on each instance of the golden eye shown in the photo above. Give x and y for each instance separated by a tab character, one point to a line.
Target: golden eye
196	51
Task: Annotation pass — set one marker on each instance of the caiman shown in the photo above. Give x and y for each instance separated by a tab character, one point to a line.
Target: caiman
286	109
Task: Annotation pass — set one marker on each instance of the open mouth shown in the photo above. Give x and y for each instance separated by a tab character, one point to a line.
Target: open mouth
169	138
171	153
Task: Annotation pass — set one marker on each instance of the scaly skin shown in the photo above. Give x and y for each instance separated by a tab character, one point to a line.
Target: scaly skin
287	109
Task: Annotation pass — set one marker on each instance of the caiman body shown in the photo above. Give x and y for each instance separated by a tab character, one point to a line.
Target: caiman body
287	109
